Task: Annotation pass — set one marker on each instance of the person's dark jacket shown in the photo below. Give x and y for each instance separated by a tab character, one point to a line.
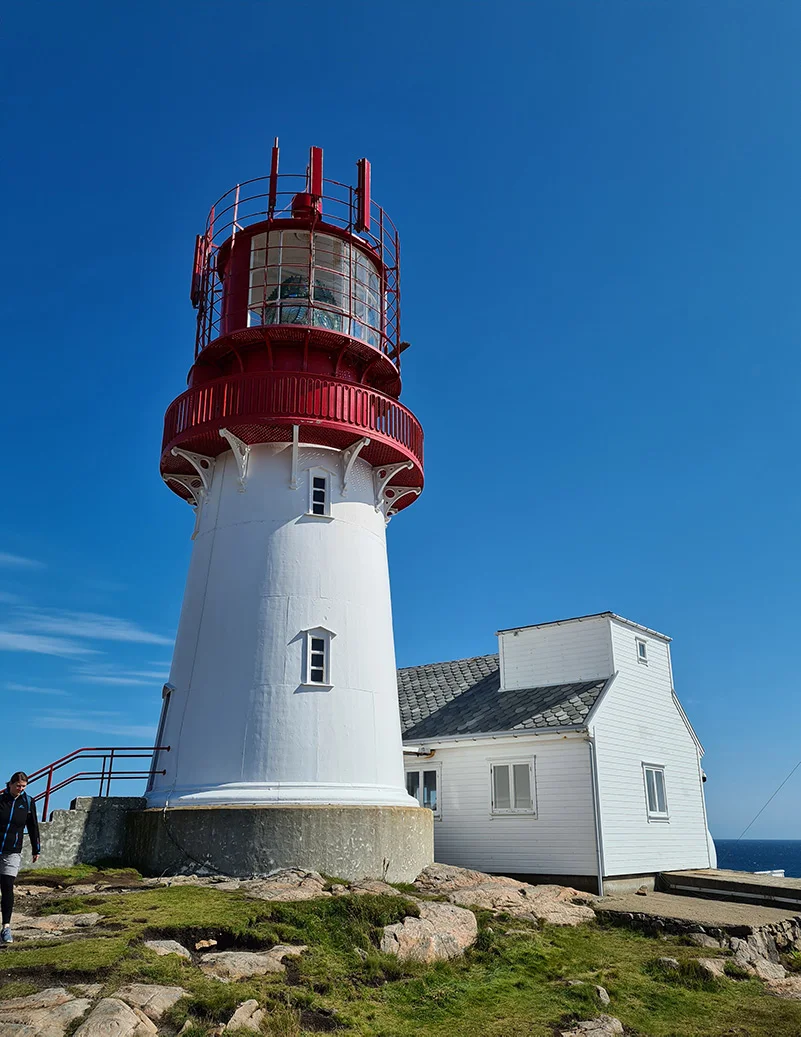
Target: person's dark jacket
15	816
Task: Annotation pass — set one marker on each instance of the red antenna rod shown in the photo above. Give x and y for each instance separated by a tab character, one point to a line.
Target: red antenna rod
363	196
316	172
273	180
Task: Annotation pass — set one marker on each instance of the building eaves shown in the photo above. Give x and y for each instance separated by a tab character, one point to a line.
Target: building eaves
583	619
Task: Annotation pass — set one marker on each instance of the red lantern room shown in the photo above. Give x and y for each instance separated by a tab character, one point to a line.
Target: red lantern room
296	281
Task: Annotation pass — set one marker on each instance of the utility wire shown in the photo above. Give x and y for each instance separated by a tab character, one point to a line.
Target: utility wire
778	790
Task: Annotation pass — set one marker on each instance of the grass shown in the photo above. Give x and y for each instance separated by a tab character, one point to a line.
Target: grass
510	985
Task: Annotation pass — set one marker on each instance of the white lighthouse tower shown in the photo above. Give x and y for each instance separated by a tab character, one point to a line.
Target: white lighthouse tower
281	711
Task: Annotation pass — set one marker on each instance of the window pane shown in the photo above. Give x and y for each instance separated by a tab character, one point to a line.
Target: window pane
318	496
500	787
661	804
317	676
318	509
318	644
430	789
413	784
651	785
319	483
522	785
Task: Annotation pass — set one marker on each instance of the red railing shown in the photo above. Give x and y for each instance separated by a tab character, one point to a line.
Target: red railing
108	754
296	398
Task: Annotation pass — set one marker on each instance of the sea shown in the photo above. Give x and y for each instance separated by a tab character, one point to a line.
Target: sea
760	855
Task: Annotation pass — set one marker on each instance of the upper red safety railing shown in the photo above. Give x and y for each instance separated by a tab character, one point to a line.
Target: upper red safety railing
108	754
267	199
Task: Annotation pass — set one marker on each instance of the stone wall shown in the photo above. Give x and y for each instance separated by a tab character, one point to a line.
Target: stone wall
92	830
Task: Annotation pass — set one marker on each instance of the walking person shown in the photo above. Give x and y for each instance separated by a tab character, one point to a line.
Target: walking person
17	812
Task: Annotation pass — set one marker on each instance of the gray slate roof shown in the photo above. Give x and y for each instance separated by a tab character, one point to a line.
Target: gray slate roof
464	698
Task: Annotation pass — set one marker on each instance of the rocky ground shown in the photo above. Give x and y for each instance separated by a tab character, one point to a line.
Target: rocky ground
437	921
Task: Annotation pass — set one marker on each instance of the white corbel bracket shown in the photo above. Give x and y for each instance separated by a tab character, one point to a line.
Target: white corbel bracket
382	477
398	492
204	466
197	490
241	452
349	459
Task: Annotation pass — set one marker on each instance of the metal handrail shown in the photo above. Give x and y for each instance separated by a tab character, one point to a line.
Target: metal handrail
108	754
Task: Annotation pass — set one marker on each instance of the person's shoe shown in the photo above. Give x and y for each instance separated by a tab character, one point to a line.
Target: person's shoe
5	935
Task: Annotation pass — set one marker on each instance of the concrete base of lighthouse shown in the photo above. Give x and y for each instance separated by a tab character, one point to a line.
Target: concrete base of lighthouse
350	842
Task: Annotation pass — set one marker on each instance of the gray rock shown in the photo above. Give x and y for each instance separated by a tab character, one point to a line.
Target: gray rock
113	1018
47	1013
603	1026
442	931
168	947
603	995
669	964
769	969
702	940
88	989
229	966
789	987
152	999
713	968
248	1016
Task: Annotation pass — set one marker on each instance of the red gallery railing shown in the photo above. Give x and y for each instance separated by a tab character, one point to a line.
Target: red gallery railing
108	754
296	397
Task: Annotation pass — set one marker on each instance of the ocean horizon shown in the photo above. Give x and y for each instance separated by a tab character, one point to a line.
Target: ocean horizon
760	855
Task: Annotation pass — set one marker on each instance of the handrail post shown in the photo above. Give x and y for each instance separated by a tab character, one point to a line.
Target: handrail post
108	779
102	775
47	792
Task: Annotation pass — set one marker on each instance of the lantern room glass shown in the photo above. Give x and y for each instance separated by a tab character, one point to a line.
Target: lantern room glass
345	284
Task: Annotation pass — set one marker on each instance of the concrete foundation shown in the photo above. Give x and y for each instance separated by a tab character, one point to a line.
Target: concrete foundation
92	830
391	843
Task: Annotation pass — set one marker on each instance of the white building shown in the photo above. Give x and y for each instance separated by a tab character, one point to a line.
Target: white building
567	756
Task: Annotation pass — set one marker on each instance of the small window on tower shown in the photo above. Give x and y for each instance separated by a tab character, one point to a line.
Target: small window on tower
642	651
319	492
318	658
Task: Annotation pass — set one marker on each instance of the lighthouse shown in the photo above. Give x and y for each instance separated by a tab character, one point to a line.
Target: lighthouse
294	452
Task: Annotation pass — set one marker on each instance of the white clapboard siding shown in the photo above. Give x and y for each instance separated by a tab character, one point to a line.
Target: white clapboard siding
638	722
555	654
560	840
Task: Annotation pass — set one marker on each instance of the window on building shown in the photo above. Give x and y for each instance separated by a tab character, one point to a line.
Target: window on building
423	785
513	787
319	492
642	651
655	796
318	657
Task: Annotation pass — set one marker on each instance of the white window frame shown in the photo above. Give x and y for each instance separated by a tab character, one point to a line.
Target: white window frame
655	815
419	768
531	762
319	633
642	656
320	473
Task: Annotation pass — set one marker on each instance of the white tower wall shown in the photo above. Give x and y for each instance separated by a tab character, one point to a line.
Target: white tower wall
243	726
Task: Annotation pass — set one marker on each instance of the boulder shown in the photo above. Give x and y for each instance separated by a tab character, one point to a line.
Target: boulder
168	947
789	987
442	931
248	1016
113	1018
558	905
668	964
603	1026
152	999
47	1013
286	885
769	970
603	995
712	968
88	989
703	940
229	966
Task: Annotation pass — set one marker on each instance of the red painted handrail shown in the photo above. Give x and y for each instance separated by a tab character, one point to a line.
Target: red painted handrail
108	754
296	399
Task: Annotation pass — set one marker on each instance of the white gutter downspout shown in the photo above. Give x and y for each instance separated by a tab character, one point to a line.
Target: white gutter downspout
596	806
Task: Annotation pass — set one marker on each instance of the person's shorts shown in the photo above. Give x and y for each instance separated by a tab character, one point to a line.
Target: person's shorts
9	864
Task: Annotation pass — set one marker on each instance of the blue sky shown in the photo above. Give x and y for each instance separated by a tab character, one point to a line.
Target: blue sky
600	220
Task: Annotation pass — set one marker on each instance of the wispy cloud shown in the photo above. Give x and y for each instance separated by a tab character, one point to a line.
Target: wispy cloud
104	674
98	722
6	598
31	689
8	561
90	625
14	641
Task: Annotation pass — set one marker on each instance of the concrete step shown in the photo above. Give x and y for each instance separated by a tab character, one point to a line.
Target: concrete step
743	887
